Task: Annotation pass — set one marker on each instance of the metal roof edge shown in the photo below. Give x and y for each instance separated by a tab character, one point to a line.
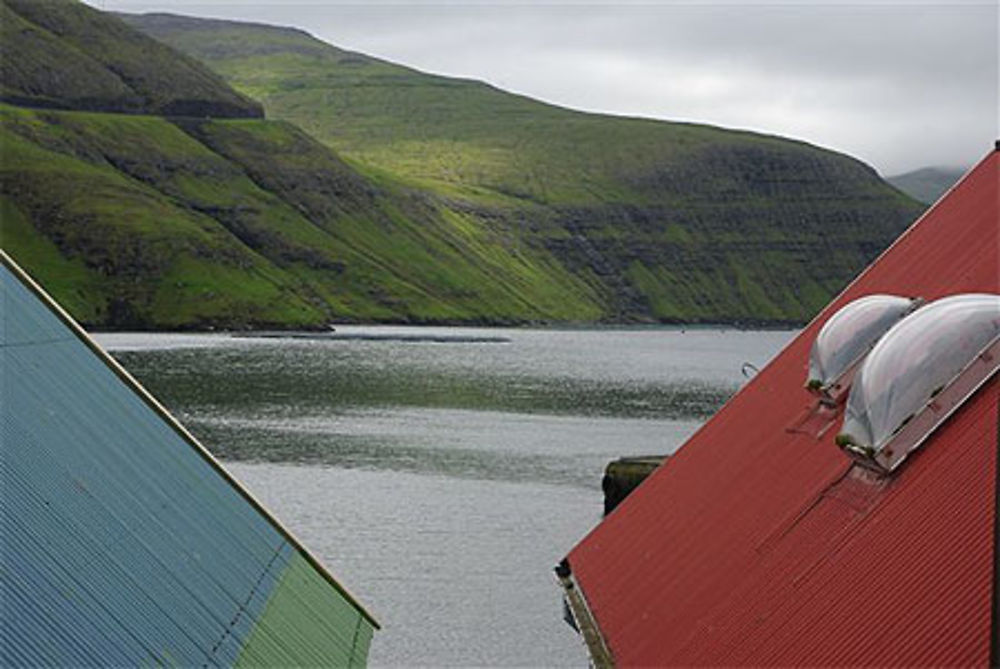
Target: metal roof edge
181	431
995	641
995	626
586	623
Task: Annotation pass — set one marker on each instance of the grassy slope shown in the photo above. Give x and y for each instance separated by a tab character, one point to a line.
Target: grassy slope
139	221
135	221
457	202
666	221
115	249
63	54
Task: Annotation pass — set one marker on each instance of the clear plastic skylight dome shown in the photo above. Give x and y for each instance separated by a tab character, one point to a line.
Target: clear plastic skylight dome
850	332
912	363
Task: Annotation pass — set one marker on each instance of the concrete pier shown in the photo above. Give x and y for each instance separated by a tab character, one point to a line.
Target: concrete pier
624	475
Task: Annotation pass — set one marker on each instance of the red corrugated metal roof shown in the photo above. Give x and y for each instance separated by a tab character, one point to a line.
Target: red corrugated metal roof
759	545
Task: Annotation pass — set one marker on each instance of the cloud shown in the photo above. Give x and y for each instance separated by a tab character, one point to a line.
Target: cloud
898	84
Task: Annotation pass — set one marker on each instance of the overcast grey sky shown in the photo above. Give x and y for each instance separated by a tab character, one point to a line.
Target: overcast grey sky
900	85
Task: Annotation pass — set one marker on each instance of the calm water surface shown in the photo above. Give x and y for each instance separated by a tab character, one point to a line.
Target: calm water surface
441	481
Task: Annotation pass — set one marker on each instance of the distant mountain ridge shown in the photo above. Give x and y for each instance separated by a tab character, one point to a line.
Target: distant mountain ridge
928	183
427	199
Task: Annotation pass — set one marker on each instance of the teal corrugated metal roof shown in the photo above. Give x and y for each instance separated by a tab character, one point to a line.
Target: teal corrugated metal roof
124	542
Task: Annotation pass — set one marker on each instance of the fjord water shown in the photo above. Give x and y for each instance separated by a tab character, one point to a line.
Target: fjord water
441	477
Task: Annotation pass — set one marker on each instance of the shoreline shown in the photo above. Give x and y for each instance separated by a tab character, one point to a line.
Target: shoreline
747	325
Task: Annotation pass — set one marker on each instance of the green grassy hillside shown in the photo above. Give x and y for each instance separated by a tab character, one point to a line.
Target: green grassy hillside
140	221
136	221
64	54
668	221
413	199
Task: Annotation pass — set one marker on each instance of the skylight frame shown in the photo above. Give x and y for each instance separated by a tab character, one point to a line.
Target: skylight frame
920	371
922	424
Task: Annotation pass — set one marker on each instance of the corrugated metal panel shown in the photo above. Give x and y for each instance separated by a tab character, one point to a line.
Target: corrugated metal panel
123	541
282	635
754	546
